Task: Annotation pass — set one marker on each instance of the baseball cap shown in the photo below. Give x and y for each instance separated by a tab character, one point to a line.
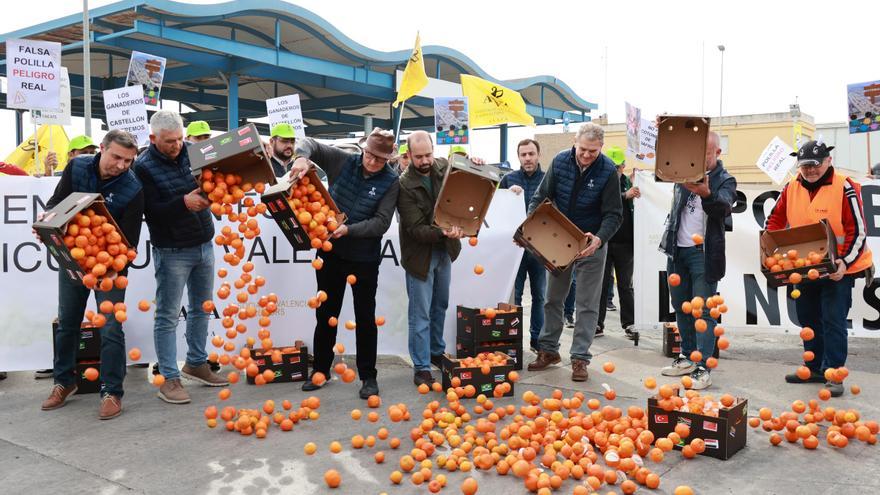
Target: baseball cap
458	149
402	149
198	128
283	130
79	143
812	152
617	155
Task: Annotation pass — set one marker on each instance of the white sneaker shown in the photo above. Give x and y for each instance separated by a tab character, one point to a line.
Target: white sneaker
700	378
680	366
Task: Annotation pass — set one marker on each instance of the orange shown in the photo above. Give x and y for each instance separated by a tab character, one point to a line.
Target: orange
380	320
349	325
134	354
478	269
469	486
144	305
473	241
807	334
697	238
318	378
696	356
795	278
809	356
158	380
674	280
332	478
106	307
374	401
224	394
351	279
379	457
855	389
310	448
91	374
333	321
608	367
700	325
317	263
813	274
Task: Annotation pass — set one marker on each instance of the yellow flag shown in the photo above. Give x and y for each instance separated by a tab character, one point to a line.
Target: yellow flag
493	104
414	77
23	155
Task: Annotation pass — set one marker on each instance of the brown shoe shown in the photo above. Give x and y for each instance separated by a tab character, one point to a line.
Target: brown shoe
545	359
111	406
579	371
172	392
203	375
58	396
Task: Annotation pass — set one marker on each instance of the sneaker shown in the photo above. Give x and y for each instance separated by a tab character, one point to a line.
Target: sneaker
815	377
701	379
437	360
611	307
172	392
423	376
680	366
579	371
58	396
569	320
370	387
111	406
600	331
40	374
203	375
544	361
309	386
836	388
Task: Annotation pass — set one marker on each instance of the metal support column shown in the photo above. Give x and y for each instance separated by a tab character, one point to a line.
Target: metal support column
503	151
232	102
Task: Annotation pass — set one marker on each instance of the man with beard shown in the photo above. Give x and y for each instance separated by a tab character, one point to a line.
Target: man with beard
281	145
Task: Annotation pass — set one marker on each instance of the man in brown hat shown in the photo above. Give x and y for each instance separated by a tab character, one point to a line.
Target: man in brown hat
364	187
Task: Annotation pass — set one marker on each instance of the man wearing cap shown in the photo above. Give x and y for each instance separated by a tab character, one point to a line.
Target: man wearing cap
365	188
197	131
821	193
694	245
402	160
620	252
458	150
525	181
281	145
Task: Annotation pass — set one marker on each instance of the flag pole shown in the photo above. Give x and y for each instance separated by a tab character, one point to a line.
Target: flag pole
37	171
399	121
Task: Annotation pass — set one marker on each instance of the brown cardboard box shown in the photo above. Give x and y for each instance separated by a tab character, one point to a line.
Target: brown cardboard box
239	152
551	237
484	384
465	195
681	148
277	200
294	365
53	227
817	237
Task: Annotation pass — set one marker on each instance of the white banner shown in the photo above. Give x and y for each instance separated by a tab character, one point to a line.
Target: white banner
286	110
775	160
60	116
752	304
34	72
125	110
30	289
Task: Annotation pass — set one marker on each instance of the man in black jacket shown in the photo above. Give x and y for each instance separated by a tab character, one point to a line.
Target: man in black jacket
181	230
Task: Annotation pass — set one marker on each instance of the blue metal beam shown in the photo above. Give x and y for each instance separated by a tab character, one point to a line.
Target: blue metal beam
232	102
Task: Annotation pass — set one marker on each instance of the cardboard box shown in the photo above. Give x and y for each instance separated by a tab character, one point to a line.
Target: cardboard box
672	341
89	342
681	148
514	351
465	195
485	384
84	386
472	326
817	237
239	152
551	237
294	365
724	435
277	199
53	227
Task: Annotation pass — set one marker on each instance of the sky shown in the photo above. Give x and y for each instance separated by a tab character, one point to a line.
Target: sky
661	56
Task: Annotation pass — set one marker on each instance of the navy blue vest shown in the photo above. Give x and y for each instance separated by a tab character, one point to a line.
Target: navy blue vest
117	191
358	197
587	211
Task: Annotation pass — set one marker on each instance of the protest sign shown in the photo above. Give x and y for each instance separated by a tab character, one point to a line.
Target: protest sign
451	120
34	72
60	116
286	110
125	109
146	71
775	160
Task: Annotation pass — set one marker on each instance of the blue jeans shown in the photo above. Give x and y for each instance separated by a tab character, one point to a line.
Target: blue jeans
428	300
823	306
72	300
568	306
689	264
192	267
534	269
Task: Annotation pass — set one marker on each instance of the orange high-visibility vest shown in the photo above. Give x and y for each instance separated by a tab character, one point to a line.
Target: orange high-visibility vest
827	205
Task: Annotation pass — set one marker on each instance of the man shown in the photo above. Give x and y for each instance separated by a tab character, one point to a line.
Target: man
820	193
281	145
364	187
402	160
181	230
107	173
581	183
526	180
198	131
694	243
620	252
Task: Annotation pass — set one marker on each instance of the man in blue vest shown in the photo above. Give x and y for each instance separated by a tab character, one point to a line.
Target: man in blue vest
582	183
525	181
108	173
181	231
364	187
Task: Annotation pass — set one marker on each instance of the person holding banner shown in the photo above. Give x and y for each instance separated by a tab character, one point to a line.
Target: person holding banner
525	181
281	143
107	173
694	245
821	193
582	183
198	131
365	188
181	231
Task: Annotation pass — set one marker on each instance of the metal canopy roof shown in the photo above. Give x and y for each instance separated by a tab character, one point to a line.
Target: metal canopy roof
225	60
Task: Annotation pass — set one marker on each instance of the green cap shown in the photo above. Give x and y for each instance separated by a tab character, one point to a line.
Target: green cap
198	128
458	149
617	155
79	143
283	130
402	149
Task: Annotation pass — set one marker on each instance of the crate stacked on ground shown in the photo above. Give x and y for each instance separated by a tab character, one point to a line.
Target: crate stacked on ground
496	329
290	364
487	373
88	355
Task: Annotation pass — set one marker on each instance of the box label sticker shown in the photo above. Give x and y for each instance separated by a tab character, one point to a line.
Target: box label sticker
486	387
243	131
206	149
711	443
246	141
732	431
682	420
710	426
499	378
225	140
661	419
515	322
466	375
211	156
513	332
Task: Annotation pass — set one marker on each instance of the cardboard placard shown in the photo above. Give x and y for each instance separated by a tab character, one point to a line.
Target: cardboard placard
277	199
551	237
817	237
294	365
465	195
238	152
485	384
34	74
125	110
681	148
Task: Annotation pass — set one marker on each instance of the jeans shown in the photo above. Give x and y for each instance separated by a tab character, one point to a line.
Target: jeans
428	300
72	300
823	306
588	272
192	267
332	280
534	269
689	264
620	259
568	307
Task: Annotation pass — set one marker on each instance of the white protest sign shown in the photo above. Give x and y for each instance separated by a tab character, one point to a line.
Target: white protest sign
34	72
61	115
647	142
125	110
775	160
286	110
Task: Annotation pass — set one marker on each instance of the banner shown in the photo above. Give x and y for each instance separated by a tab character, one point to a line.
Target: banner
752	304
451	120
863	104
286	110
23	155
146	71
61	115
125	110
30	296
34	72
493	104
775	160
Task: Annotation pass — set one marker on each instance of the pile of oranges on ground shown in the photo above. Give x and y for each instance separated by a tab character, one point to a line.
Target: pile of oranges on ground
803	423
258	422
313	213
98	248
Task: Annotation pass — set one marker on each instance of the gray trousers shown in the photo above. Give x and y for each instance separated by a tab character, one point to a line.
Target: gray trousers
588	274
